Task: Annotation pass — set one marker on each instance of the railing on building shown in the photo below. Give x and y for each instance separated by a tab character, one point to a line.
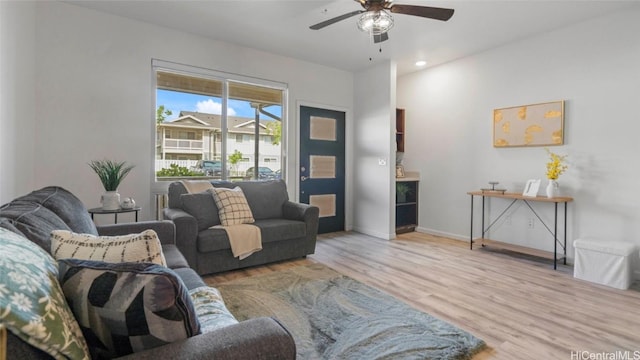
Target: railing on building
183	145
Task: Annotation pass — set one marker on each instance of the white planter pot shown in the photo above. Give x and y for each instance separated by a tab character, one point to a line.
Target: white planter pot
110	200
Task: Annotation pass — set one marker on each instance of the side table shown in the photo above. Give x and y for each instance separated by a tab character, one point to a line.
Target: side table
101	211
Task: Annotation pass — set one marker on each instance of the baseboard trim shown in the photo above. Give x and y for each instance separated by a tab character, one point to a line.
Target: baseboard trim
442	233
374	233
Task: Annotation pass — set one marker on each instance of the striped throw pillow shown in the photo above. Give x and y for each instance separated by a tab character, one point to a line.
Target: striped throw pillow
143	247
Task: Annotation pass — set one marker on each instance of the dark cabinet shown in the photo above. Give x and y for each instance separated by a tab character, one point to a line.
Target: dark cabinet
406	206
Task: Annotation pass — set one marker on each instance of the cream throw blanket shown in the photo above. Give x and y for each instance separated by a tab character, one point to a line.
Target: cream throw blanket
196	186
245	239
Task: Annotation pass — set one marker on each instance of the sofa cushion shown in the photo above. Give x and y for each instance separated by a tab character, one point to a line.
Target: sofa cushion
213	239
32	304
232	206
142	247
272	230
127	307
34	221
8	224
66	205
201	206
265	198
281	229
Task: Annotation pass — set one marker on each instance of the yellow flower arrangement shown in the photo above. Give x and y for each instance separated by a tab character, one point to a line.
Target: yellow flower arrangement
556	166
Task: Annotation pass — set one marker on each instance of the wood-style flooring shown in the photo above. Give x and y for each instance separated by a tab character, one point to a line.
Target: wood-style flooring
519	306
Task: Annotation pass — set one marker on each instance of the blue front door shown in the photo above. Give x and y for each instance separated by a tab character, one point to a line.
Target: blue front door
322	164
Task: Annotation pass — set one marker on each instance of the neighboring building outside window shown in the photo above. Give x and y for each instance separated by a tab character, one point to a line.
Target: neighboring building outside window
185	135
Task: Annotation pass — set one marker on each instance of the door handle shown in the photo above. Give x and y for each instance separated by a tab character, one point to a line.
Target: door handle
303	178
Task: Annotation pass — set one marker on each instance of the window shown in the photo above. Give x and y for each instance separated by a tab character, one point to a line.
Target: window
208	115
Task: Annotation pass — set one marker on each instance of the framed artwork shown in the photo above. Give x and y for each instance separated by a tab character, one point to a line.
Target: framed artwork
399	171
529	125
531	188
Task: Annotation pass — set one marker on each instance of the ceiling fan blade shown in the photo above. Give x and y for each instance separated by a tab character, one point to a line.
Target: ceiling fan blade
424	11
380	38
334	20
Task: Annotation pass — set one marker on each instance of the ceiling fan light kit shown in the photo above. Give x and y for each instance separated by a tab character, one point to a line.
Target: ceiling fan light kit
375	22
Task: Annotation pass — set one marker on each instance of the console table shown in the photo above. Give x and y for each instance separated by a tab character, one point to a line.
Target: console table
515	197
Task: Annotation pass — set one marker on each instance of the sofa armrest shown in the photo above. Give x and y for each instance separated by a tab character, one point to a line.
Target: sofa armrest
259	338
165	229
186	234
307	213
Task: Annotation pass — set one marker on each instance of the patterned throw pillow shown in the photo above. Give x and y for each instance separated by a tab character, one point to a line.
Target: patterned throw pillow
32	305
142	247
232	206
212	312
127	307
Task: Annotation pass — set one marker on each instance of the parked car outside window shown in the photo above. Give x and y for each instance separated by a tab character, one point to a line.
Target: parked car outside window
264	173
209	167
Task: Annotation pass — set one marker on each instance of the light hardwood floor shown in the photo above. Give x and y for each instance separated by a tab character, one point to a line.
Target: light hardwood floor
519	306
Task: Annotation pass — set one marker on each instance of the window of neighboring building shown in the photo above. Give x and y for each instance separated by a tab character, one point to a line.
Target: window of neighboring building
208	115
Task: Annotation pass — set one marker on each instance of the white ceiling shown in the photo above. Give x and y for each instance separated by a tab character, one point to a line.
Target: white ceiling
282	27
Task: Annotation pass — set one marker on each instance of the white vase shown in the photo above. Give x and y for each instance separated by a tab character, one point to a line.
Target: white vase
552	189
110	200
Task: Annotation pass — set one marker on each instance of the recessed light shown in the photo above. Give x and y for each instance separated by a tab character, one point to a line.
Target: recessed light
421	63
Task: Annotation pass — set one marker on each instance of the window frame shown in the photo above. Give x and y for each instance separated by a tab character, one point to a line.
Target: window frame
224	78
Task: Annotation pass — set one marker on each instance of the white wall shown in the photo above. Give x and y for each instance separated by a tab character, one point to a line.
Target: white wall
94	96
17	98
595	67
374	141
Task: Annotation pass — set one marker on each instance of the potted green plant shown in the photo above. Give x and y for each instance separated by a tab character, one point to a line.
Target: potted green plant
402	190
111	174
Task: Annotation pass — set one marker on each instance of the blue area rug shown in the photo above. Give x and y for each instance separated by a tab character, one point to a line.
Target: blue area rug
332	316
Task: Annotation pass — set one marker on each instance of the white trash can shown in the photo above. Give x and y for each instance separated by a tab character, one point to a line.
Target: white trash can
603	262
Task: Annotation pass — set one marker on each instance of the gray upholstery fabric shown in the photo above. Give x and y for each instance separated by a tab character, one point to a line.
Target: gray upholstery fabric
271	230
280	229
174	257
288	229
255	339
265	198
202	207
8	224
190	278
166	230
34	221
65	205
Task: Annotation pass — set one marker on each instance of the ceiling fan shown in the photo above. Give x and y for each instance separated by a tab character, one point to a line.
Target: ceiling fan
376	20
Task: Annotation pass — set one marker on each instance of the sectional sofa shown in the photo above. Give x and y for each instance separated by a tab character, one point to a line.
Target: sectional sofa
26	224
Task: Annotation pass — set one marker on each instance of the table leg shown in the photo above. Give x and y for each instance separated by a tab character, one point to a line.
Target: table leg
555	236
471	229
565	233
482	224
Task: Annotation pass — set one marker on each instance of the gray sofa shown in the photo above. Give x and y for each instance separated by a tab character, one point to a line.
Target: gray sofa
35	215
288	229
